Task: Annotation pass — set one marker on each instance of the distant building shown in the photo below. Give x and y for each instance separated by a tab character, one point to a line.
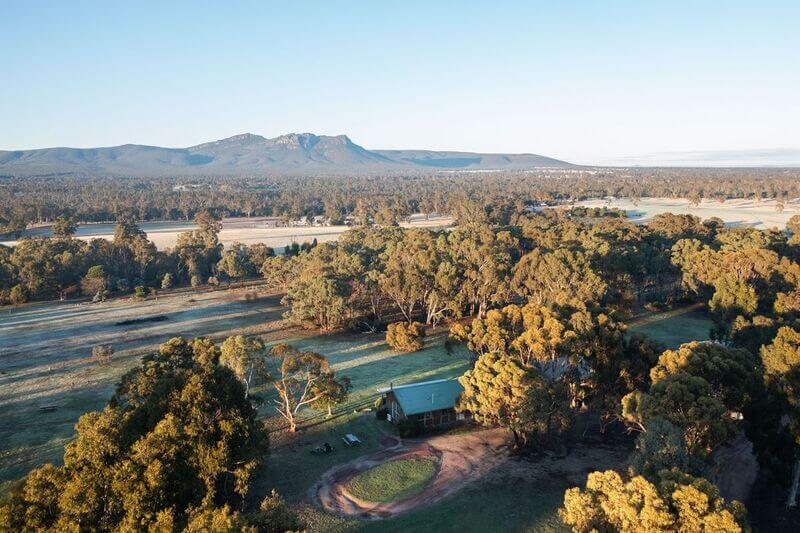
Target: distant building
430	403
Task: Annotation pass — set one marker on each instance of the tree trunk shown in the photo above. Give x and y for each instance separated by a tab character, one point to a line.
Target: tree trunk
330	413
791	501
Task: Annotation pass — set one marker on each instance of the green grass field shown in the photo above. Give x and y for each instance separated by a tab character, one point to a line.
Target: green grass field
393	481
486	506
675	327
370	364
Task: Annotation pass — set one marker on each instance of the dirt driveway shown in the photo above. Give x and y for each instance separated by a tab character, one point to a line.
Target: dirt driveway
462	458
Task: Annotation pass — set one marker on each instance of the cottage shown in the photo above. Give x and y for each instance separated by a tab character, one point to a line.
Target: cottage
430	403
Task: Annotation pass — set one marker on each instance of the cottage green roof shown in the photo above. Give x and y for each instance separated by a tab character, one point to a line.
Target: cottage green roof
416	398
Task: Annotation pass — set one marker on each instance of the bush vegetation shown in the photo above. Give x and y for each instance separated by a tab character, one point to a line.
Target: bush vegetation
405	336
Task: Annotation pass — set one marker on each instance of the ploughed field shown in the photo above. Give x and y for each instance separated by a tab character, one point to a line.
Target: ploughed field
256	230
736	213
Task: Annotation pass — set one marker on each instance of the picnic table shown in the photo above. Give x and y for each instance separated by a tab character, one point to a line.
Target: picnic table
351	440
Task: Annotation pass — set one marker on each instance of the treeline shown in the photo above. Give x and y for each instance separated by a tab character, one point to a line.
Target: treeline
42	268
551	258
383	199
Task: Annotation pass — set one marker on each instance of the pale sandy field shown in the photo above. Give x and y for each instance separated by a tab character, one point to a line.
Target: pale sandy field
735	213
246	231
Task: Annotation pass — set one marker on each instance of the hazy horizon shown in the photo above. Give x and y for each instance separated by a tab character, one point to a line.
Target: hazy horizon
754	158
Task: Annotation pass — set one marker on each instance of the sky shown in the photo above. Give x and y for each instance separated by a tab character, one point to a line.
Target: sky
592	82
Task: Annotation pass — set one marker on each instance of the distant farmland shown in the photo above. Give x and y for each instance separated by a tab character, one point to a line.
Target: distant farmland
243	230
736	213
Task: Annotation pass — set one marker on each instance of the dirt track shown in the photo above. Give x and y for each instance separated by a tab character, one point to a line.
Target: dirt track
734	468
462	458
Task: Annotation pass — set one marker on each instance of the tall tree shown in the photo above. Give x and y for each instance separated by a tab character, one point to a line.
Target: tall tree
64	227
678	502
177	435
782	373
245	357
686	401
298	381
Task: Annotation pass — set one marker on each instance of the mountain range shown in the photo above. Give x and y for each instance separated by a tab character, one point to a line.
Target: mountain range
248	154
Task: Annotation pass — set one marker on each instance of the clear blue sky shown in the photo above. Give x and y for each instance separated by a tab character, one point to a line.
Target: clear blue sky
583	81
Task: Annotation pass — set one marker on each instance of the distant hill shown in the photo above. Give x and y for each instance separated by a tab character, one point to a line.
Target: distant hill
248	154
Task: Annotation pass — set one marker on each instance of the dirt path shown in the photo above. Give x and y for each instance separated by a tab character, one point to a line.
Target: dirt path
734	468
462	458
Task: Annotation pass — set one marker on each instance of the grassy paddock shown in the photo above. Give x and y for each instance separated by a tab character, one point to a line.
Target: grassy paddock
45	359
369	363
675	327
392	481
518	506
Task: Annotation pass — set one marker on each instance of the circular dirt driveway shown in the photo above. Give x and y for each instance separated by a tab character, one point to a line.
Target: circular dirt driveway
462	458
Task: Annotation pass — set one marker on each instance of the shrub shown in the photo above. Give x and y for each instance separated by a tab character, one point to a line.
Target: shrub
274	515
102	353
213	281
405	337
17	295
166	283
196	281
449	346
141	291
95	280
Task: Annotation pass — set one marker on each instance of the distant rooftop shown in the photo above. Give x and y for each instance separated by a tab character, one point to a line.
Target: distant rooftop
426	396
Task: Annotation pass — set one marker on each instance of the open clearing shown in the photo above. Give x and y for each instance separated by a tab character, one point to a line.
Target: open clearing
673	328
392	481
461	458
481	486
44	360
246	231
737	213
